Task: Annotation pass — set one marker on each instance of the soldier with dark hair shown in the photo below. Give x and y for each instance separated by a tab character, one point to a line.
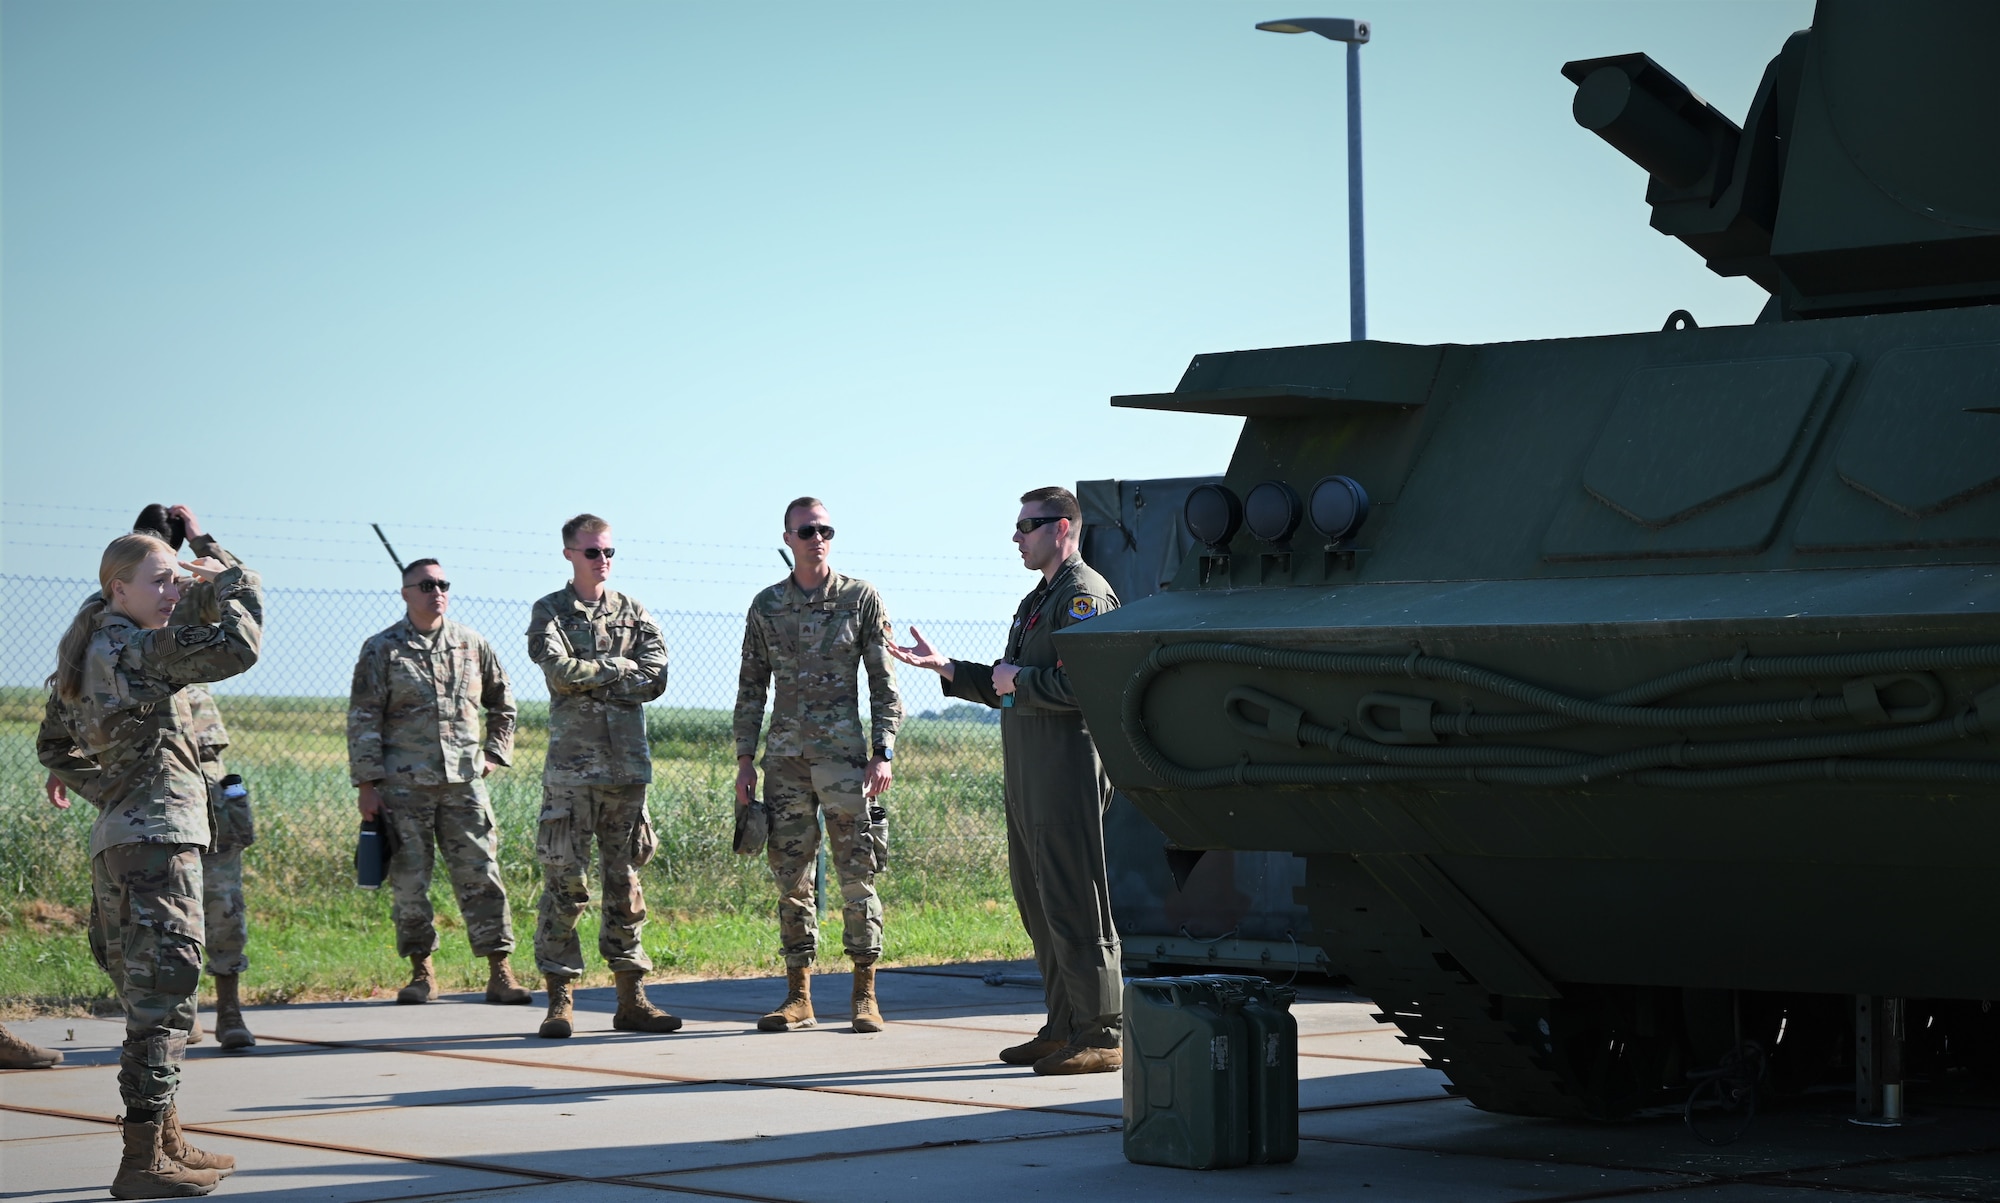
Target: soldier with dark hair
224	913
604	659
415	753
812	634
1056	793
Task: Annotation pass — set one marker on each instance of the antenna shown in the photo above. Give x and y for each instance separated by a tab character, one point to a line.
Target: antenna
393	557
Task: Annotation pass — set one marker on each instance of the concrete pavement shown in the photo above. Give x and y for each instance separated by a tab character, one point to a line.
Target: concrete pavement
458	1100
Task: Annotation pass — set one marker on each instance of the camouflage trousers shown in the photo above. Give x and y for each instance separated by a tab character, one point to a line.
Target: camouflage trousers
798	792
614	817
146	933
227	921
456	820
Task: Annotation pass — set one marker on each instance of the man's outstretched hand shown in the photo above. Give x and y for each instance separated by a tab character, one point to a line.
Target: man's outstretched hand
920	654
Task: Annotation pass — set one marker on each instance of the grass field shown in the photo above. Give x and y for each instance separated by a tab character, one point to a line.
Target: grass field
314	935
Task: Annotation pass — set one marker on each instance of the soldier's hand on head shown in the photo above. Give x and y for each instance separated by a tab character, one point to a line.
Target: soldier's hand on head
1003	677
370	800
57	792
189	523
878	778
746	780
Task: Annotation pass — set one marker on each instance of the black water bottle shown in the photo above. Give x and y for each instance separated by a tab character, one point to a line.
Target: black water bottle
371	855
878	836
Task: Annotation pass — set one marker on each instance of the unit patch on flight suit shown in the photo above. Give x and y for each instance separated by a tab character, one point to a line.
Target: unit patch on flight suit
1082	607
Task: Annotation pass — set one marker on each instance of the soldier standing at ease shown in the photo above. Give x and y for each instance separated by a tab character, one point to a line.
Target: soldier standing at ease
415	753
810	632
1056	793
604	660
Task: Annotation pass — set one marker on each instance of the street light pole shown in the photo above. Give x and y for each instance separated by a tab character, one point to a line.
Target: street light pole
1357	267
1354	33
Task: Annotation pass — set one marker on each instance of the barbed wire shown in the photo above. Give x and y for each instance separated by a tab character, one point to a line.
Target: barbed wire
487	530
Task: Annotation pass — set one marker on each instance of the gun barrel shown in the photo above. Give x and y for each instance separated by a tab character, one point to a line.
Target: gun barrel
1646	129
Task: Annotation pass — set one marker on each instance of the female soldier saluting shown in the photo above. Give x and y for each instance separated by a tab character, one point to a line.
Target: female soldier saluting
119	672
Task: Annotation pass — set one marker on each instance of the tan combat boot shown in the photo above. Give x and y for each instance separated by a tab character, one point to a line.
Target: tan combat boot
146	1172
230	1030
174	1144
561	1010
1032	1051
636	1013
1081	1059
500	984
423	982
867	1013
16	1053
797	1011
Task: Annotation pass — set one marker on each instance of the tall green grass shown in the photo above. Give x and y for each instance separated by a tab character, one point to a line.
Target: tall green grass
945	895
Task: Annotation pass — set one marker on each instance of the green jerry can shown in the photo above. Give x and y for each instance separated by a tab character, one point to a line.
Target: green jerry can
1187	1080
1273	1055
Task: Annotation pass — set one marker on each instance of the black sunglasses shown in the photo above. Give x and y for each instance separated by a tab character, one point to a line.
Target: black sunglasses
809	530
1027	526
591	553
429	585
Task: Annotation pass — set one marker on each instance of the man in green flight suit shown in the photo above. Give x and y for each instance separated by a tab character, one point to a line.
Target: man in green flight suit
1056	793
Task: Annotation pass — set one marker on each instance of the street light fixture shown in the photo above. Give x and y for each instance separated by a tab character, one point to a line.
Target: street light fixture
1354	33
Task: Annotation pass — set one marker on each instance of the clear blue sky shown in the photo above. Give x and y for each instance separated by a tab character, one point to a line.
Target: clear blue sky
466	269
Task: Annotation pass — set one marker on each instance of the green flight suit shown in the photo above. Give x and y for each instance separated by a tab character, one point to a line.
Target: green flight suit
1056	794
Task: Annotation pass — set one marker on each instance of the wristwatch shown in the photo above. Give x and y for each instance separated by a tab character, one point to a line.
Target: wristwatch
885	753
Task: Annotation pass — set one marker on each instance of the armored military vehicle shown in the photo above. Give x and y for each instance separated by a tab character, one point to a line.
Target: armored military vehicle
1634	699
1232	910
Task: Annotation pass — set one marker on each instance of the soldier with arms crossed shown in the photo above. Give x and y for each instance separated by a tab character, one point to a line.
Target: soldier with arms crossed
415	753
810	633
1056	793
604	659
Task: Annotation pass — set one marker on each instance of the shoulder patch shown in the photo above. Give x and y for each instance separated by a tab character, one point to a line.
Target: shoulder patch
195	636
1082	606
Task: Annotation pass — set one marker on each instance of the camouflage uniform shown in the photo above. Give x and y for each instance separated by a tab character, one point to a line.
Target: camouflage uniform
127	746
413	730
816	755
603	662
1056	792
226	918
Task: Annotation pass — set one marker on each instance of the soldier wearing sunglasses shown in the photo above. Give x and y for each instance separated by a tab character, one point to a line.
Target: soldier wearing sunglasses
604	659
415	752
1056	792
812	633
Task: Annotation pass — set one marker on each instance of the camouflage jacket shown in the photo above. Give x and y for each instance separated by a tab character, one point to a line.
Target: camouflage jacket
198	604
413	710
1074	594
135	725
810	644
597	724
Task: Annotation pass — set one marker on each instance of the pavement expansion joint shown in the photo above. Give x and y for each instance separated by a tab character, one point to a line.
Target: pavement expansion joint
928	1146
775	1083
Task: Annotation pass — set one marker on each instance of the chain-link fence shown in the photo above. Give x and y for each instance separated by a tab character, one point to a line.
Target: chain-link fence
287	724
